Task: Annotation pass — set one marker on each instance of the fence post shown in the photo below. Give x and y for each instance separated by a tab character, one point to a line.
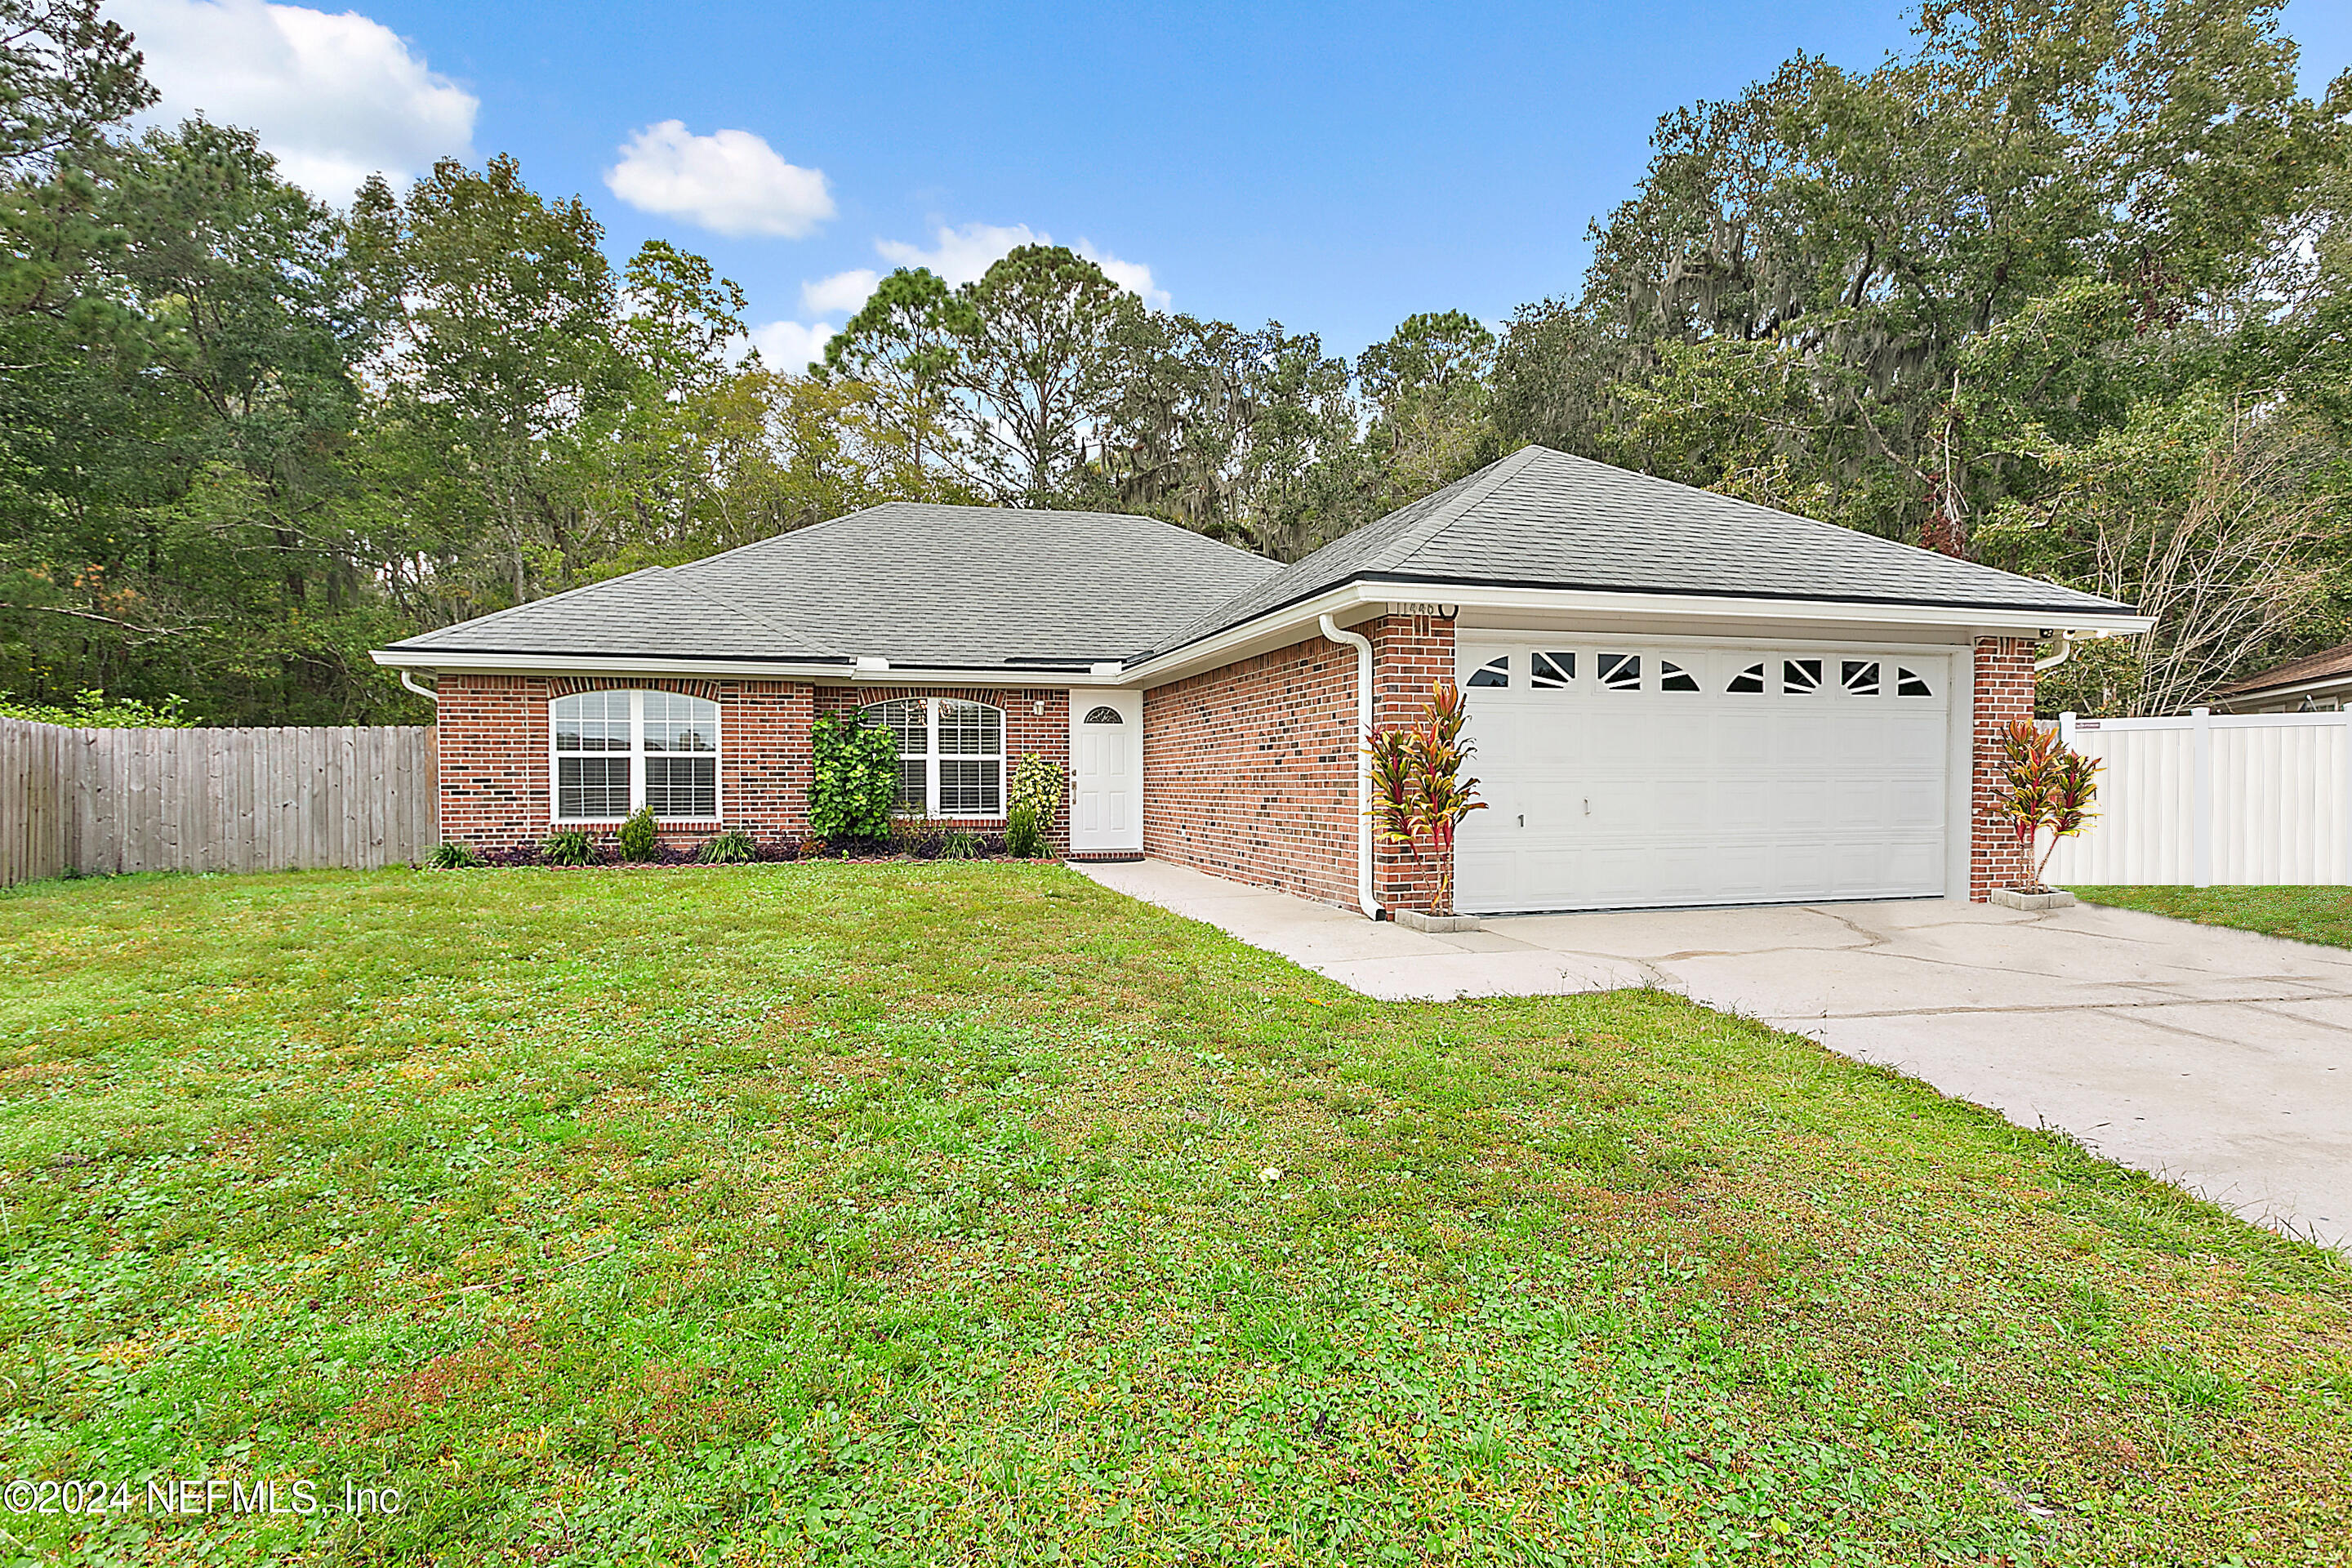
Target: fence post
2200	797
2344	783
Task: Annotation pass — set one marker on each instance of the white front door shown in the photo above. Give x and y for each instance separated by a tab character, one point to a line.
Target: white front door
1106	771
1619	773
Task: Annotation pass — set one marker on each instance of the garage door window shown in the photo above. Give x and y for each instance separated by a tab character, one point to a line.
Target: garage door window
1620	671
1673	677
1800	675
1748	681
1907	684
1550	671
1494	672
1860	676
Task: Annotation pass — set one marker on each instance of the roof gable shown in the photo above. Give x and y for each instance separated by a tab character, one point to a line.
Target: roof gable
922	585
1542	519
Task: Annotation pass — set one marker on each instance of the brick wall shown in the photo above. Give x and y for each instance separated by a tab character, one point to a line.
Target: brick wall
1410	653
1249	771
2004	691
493	755
1034	720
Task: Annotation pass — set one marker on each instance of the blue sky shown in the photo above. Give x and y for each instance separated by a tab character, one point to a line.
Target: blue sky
1332	167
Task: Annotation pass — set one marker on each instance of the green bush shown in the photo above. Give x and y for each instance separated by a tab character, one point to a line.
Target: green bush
1037	783
639	836
1023	839
957	844
856	781
96	711
451	855
732	847
568	848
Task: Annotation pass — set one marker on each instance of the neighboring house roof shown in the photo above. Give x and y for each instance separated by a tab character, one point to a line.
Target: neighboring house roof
2334	663
960	587
1542	519
922	586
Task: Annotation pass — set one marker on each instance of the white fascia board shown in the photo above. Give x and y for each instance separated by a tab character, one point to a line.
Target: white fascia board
1717	607
1293	623
828	672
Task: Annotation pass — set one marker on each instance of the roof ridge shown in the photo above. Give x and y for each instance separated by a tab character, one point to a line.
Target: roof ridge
1497	474
675	575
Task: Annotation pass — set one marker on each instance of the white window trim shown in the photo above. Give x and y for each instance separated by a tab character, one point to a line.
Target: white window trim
636	754
932	756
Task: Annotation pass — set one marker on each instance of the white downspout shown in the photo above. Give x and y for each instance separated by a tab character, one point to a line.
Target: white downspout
426	692
2065	651
1363	646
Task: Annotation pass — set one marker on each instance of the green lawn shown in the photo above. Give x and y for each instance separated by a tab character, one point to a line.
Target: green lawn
2306	914
923	1213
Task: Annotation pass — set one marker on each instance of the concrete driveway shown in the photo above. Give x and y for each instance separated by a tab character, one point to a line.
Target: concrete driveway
2218	1059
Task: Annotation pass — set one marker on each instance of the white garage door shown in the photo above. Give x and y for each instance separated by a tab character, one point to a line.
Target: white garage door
1620	775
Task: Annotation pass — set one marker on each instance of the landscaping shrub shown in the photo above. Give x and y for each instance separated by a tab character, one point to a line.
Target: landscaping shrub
957	844
451	855
568	848
919	837
1023	839
733	848
856	781
639	836
1037	783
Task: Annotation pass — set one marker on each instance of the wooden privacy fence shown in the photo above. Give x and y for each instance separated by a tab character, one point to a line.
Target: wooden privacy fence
98	801
2214	799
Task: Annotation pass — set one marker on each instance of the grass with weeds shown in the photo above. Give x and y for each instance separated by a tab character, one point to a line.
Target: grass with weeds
971	1213
2302	914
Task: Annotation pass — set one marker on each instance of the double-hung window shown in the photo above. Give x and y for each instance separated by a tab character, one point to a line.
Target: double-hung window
950	754
618	751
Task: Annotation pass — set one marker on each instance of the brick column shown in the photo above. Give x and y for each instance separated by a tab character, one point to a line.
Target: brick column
1410	653
2004	692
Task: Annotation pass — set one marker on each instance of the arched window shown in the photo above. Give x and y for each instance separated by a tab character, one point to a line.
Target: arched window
950	754
618	751
1103	716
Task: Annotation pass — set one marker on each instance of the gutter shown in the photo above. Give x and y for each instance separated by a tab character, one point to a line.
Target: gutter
1363	647
426	692
2065	651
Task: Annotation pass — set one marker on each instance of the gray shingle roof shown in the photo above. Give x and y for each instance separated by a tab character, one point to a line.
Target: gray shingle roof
1542	519
918	584
965	587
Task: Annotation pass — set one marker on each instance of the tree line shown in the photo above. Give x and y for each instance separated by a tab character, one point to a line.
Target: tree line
2067	287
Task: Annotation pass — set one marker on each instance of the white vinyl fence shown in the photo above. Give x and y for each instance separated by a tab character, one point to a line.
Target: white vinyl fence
101	801
2214	799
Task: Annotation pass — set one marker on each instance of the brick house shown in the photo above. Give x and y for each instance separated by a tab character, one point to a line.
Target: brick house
1676	698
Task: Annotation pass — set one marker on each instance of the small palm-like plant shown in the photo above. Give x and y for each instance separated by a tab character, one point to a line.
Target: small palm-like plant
1417	782
1388	754
1441	798
732	847
2045	786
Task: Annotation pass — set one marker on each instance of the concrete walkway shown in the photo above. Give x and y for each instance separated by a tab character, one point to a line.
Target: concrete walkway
2218	1059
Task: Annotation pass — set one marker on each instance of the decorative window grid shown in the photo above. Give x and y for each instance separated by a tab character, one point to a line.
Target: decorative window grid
1619	671
1673	677
1550	671
615	751
1494	672
1799	676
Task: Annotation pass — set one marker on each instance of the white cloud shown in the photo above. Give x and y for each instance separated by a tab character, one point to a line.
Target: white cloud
842	292
960	255
334	98
731	182
1132	276
788	345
